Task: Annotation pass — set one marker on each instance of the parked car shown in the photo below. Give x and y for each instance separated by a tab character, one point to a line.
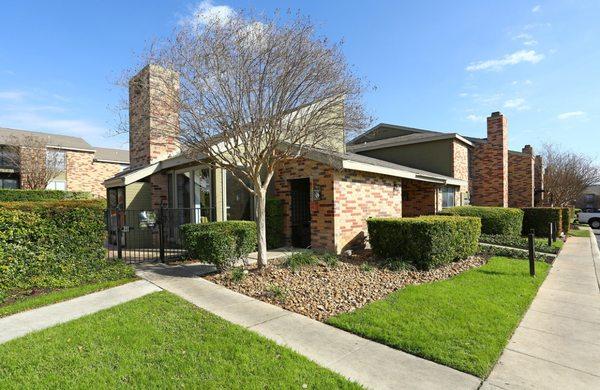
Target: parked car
590	216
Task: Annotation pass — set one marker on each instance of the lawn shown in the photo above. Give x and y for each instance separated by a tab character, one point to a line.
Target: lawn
579	233
541	244
31	302
463	322
158	341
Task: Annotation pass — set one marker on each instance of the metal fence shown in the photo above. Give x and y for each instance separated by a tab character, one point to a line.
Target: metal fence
137	236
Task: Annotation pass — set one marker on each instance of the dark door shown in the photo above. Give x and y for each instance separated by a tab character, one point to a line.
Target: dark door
300	193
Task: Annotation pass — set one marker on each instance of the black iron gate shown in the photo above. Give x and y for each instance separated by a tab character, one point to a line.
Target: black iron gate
137	236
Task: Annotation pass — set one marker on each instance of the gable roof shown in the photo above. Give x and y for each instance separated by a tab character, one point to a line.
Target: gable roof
387	130
109	155
408	139
8	135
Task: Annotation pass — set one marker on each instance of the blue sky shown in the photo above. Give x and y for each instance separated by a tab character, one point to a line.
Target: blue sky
436	65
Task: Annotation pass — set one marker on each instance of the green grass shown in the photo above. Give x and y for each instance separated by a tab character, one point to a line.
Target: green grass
463	322
31	302
157	341
579	233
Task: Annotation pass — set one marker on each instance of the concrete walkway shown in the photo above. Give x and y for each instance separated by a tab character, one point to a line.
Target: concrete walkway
557	344
371	364
33	320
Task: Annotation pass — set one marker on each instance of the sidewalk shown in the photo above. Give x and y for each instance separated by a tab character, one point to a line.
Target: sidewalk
557	344
33	320
371	364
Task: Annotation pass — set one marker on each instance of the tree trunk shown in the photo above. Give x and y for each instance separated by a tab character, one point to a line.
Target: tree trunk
261	226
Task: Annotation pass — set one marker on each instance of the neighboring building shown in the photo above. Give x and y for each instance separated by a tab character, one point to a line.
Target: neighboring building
590	198
82	166
327	195
495	175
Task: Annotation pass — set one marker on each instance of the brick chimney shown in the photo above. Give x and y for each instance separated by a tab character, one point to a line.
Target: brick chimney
490	165
527	149
153	115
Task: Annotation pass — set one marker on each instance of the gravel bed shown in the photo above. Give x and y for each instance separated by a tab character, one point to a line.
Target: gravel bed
322	291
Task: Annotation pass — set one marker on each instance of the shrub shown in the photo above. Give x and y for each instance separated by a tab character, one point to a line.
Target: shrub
517	242
494	220
14	195
539	219
274	222
220	243
238	274
54	244
330	259
512	253
300	259
424	242
568	214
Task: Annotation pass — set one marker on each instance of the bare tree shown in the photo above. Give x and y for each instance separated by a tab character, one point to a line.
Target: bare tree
567	175
255	93
37	164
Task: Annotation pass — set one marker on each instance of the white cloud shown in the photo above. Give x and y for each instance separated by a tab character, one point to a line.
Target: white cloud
475	118
515	58
205	12
536	8
463	94
12	95
571	114
518	104
527	39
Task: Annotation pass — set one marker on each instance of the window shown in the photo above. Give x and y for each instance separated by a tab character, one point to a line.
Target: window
8	157
57	185
9	183
448	196
240	203
589	198
56	159
192	192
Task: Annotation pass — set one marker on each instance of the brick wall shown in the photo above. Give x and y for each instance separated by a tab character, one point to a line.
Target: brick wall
359	196
322	211
420	198
85	174
153	115
490	165
29	159
521	178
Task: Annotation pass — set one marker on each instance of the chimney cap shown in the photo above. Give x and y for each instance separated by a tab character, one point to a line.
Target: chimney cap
496	113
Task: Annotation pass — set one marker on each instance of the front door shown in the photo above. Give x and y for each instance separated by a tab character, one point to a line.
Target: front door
300	194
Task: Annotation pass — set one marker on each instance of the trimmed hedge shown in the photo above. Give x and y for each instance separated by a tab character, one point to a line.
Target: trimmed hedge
14	195
54	244
220	243
517	242
494	220
539	219
274	214
568	215
425	242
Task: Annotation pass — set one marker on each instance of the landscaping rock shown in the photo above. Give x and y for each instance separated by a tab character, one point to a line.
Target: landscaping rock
319	291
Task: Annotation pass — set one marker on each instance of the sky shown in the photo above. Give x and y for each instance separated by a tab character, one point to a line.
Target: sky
434	65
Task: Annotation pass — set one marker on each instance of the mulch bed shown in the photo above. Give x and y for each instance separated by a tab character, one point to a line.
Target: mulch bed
322	291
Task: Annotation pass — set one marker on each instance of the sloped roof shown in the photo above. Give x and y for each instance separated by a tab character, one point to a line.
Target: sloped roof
8	135
387	130
112	155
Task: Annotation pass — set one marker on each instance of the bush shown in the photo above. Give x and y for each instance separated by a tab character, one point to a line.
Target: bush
494	220
568	215
425	242
220	243
12	195
517	242
512	253
300	259
54	244
274	222
539	219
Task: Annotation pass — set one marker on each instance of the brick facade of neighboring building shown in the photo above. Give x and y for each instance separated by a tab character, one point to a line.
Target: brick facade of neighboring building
460	168
489	173
521	172
83	173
